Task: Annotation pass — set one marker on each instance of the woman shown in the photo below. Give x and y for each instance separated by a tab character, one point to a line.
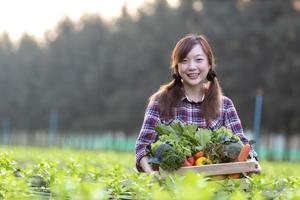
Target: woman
194	96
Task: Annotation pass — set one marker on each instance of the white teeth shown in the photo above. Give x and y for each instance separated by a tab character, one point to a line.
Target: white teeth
193	75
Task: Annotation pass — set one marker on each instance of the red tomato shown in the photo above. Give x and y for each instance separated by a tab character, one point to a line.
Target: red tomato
186	163
191	160
199	155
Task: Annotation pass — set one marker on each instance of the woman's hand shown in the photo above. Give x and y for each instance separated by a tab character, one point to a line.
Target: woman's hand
258	168
146	166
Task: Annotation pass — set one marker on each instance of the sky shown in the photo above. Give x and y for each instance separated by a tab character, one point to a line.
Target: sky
35	17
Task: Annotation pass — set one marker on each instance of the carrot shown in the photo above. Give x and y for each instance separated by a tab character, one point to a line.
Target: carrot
241	158
244	153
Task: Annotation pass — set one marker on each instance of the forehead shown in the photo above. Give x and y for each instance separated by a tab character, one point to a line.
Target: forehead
197	50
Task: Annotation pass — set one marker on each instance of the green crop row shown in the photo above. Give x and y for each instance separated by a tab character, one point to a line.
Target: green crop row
39	173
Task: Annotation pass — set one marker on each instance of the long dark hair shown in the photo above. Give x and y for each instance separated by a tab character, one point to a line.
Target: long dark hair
170	94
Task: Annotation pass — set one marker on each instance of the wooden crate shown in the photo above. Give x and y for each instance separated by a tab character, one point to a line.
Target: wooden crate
219	169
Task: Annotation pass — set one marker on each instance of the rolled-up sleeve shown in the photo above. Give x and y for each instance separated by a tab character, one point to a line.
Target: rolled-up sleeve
147	134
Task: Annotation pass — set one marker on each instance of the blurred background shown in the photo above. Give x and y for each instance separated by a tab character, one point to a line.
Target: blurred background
79	73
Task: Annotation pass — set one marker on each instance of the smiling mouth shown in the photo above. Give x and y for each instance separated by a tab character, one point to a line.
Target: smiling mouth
193	75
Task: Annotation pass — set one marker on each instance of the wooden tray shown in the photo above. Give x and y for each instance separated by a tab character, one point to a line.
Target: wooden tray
219	169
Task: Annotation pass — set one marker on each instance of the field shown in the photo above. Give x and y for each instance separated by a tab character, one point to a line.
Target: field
35	173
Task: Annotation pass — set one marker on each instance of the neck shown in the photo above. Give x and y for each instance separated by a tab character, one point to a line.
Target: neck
195	94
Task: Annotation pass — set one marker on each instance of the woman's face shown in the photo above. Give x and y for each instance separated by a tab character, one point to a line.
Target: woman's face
194	67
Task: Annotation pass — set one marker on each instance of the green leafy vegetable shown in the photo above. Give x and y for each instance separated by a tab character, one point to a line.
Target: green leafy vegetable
166	157
178	141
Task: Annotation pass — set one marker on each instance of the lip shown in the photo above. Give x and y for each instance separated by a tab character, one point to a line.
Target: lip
193	75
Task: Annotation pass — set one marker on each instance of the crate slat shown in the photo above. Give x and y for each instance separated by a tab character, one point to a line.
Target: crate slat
219	169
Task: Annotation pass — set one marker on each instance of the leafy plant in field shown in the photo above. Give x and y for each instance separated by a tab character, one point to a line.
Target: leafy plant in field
6	162
94	175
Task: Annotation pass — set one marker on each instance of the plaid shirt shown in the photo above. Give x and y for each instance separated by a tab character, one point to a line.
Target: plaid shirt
188	112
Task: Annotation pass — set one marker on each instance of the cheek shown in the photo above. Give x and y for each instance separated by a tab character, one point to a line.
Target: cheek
181	69
205	67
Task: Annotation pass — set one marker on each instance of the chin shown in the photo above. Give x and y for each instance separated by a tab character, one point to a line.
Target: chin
193	83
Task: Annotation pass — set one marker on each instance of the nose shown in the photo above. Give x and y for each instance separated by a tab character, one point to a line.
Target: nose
192	65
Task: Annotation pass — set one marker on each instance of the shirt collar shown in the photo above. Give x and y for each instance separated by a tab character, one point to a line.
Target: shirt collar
185	97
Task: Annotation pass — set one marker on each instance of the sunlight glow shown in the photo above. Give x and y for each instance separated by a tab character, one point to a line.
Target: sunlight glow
35	17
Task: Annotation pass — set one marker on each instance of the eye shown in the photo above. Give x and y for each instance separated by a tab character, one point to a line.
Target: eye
199	59
184	61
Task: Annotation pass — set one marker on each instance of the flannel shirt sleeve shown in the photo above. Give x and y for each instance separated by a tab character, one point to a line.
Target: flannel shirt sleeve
147	134
233	122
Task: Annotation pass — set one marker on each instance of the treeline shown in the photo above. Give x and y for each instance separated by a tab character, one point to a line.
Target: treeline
98	75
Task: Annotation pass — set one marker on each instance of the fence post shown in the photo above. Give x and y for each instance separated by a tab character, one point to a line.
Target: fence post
257	117
5	131
53	122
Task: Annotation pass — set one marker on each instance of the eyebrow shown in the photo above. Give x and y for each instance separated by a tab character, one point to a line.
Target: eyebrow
196	55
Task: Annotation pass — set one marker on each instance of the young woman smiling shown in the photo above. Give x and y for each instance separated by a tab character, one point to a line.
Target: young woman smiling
194	96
